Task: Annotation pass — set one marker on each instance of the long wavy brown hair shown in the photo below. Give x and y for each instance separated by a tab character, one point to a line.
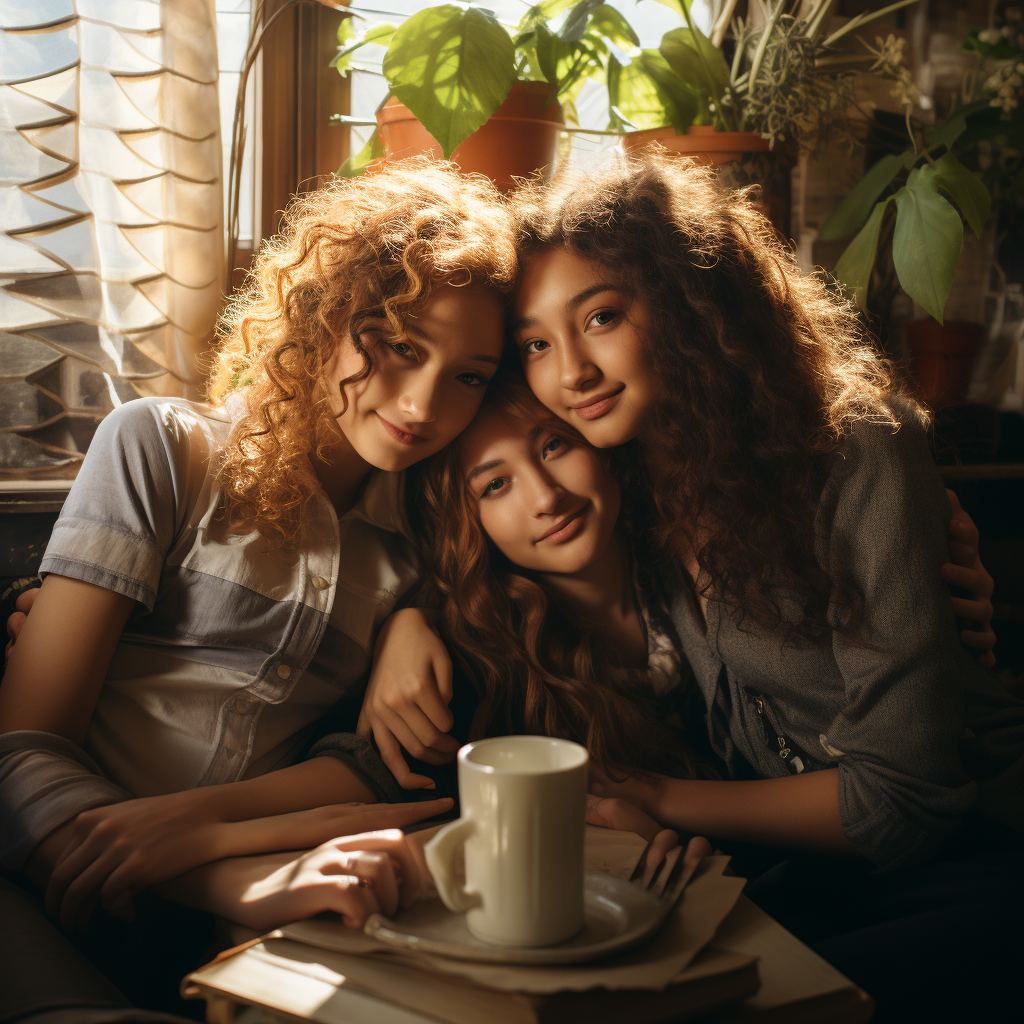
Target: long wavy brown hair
536	670
372	246
763	367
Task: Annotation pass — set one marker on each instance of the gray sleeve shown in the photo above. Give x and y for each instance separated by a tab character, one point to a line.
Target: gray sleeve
45	781
885	514
359	754
122	514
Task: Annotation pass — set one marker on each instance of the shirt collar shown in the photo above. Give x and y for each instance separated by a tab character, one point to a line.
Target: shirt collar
382	503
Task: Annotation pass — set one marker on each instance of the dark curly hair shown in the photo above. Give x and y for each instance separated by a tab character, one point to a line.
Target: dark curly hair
763	368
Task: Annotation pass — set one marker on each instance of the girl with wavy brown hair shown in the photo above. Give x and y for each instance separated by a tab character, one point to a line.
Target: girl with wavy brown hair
219	573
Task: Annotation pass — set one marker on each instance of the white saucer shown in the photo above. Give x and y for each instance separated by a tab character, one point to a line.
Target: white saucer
616	915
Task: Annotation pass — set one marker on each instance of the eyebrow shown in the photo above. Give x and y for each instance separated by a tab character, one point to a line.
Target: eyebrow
485	467
572	304
423	336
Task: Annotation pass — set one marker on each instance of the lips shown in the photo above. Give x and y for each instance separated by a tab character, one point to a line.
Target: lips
403	436
564	528
597	406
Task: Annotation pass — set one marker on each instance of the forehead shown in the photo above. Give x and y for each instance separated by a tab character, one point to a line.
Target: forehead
458	317
493	434
554	272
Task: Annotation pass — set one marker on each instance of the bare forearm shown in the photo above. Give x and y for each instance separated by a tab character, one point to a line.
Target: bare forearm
798	811
315	783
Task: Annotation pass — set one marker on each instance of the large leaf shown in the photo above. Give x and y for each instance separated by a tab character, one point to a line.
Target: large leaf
963	187
550	51
698	62
647	93
358	162
609	24
576	23
926	244
855	265
855	209
452	67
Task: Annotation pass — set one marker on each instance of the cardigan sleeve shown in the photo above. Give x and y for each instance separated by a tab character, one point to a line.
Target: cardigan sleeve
885	516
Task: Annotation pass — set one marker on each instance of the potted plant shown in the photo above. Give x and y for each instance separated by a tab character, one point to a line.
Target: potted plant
906	214
490	97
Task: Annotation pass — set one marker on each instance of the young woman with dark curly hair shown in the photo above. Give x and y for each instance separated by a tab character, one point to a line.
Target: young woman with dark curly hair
219	573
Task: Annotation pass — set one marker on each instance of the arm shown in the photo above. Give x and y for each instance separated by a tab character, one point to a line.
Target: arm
967	572
798	811
406	702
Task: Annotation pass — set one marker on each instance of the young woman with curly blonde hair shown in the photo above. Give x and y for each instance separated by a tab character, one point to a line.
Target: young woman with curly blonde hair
219	573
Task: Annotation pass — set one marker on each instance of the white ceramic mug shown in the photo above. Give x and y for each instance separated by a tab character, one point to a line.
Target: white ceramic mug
522	825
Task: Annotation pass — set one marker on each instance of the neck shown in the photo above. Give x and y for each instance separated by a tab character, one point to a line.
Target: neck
601	596
341	472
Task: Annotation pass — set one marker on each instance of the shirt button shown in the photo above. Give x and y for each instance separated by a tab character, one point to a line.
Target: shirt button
319	583
284	671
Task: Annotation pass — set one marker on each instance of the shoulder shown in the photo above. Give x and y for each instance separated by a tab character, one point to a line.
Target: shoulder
162	428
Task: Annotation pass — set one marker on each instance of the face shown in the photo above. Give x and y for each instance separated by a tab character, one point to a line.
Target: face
427	384
581	339
546	503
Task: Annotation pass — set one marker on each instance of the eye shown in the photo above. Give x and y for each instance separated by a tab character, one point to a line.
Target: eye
474	380
402	348
534	347
495	485
603	318
555	444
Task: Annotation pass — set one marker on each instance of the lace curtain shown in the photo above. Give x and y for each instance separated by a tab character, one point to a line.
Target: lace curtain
111	237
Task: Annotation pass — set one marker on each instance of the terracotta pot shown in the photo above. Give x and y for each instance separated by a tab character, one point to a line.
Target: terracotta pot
941	356
519	138
742	159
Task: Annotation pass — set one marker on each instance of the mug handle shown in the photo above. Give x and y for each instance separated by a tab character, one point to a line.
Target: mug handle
440	853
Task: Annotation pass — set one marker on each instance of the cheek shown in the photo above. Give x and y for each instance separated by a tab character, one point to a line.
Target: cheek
498	518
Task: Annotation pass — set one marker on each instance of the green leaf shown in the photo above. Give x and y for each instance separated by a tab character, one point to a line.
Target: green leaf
550	50
926	244
854	210
358	162
381	34
679	6
452	67
576	23
608	23
953	127
965	189
346	31
855	265
698	63
647	93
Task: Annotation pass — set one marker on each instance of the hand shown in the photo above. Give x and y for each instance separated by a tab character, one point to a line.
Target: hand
116	851
16	620
641	792
355	876
406	702
967	571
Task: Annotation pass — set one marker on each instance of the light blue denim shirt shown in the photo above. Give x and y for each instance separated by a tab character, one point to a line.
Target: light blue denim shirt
233	651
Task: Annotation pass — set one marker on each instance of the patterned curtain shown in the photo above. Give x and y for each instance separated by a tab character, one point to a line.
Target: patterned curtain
111	237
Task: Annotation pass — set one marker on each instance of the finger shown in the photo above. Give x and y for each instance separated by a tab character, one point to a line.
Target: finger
84	912
426	731
664	841
987	660
363	726
980	611
408	739
393	842
14	623
962	554
24	601
442	663
354	902
696	850
971	579
81	896
391	755
376	872
374	817
981	641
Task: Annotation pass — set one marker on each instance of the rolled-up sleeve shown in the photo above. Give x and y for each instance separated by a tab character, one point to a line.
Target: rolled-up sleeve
45	781
123	512
885	514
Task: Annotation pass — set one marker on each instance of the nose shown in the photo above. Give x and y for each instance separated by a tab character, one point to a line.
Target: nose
419	397
576	371
547	494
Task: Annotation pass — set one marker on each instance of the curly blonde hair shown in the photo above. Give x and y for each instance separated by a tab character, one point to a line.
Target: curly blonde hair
377	245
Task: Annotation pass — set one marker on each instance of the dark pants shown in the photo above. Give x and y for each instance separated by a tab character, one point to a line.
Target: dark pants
114	973
940	941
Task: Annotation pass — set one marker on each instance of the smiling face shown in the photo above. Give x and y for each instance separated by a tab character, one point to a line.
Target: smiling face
547	504
580	335
425	385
